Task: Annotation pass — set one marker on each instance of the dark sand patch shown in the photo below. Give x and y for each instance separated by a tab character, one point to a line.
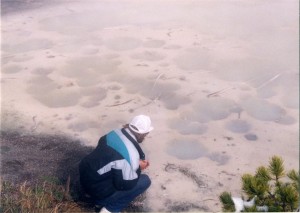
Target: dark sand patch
34	158
184	207
39	158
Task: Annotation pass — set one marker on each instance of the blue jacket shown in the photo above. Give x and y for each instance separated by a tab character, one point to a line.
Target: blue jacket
112	166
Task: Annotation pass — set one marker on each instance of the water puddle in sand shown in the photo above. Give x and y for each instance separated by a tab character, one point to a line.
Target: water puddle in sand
194	59
56	95
92	96
29	45
262	109
250	70
94	75
220	158
186	127
148	56
289	83
167	93
251	137
12	69
79	23
90	71
186	149
238	126
152	43
62	93
123	43
206	110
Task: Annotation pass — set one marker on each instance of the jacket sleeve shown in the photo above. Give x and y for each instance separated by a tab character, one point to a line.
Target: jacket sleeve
124	183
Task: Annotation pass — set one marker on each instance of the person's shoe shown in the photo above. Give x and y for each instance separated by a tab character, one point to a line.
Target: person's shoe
104	210
98	208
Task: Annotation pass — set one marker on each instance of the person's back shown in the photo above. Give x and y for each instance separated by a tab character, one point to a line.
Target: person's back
112	172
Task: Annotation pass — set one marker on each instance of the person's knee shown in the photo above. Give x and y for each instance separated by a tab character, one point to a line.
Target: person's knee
145	180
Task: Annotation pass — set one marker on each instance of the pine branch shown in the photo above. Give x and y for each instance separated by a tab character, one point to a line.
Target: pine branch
276	194
276	167
226	200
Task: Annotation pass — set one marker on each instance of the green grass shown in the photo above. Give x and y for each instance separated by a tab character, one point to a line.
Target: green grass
44	197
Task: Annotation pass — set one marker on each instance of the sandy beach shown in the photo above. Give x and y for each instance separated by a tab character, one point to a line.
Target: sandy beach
219	79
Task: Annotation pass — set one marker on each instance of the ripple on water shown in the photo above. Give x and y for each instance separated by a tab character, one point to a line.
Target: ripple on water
186	150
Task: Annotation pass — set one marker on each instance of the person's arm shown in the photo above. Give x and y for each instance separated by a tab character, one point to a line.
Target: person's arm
124	177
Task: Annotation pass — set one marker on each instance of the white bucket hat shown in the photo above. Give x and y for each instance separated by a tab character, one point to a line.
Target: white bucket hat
141	124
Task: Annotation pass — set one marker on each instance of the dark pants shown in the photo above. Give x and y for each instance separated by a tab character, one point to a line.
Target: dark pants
121	199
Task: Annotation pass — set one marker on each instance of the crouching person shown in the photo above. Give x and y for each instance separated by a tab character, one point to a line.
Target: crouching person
111	174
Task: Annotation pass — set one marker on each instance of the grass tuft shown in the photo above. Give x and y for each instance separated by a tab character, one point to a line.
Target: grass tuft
41	197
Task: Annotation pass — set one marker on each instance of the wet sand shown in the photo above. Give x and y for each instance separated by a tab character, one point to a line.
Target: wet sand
219	79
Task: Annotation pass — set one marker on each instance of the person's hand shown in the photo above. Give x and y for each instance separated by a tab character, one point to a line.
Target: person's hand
144	164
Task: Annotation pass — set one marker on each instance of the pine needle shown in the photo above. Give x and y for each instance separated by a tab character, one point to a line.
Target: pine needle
269	81
219	92
156	80
120	103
